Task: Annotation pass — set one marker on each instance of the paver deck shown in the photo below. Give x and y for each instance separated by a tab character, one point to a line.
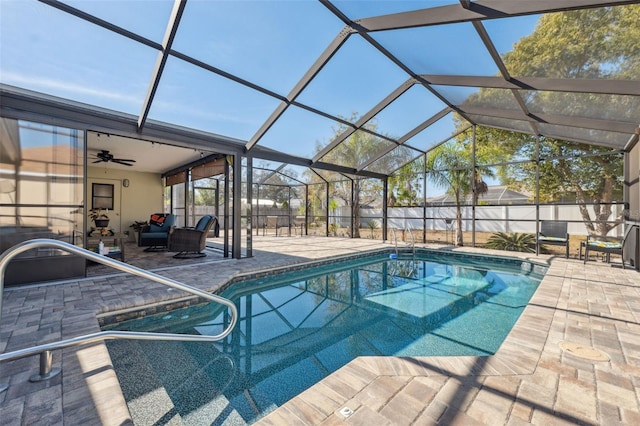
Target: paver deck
530	380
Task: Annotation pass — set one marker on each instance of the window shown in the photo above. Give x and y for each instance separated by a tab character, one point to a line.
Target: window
102	196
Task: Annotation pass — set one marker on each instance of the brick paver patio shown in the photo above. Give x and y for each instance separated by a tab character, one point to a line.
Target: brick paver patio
589	310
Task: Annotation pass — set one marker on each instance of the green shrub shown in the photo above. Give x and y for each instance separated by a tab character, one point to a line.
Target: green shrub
525	243
373	225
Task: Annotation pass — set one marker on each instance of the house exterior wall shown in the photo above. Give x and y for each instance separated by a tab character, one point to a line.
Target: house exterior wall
143	197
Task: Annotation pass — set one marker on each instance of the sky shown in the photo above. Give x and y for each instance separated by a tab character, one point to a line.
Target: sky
268	43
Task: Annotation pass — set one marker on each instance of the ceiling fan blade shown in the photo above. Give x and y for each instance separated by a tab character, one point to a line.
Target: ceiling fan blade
98	161
123	162
123	159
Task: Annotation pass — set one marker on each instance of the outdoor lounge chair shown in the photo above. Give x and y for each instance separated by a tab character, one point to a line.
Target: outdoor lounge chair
155	235
553	233
609	245
190	242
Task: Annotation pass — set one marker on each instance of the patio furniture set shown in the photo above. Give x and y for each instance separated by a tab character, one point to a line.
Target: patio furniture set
555	233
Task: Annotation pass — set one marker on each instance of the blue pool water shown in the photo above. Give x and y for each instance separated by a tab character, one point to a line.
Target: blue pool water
297	327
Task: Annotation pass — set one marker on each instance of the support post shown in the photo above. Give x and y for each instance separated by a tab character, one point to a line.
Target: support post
306	209
354	209
249	213
424	200
236	245
46	371
385	209
226	206
326	225
537	196
474	186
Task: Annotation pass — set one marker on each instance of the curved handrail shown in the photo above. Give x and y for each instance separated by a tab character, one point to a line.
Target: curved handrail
413	241
89	338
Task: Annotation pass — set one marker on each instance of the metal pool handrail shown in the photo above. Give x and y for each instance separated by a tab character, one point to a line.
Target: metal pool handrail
413	241
44	350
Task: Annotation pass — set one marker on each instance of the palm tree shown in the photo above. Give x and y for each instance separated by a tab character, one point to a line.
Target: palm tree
450	167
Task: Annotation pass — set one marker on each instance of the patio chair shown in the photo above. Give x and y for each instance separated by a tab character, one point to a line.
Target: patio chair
608	245
553	232
190	242
155	235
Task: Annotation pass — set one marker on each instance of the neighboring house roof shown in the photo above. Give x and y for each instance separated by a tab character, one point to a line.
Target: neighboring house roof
498	194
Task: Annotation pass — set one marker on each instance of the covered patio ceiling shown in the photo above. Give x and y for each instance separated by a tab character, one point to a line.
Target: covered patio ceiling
291	82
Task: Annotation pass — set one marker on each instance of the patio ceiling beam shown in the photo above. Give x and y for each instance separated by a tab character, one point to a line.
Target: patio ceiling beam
448	138
322	60
365	119
587	123
569	85
292	178
269	154
495	56
271	173
347	171
418	129
161	61
364	34
406	137
578	139
104	24
556	119
478	10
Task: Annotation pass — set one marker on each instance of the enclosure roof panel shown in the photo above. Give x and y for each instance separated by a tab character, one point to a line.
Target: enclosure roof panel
356	87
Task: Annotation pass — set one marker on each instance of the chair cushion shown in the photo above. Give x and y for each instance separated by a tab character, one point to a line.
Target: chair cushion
605	244
161	222
157	220
552	239
156	228
154	235
202	223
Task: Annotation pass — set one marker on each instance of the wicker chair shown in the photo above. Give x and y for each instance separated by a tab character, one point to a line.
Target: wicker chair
190	242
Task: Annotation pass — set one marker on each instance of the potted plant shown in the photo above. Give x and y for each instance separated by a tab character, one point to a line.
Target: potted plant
137	226
99	217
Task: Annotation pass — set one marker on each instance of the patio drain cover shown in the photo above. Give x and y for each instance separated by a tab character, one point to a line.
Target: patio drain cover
584	352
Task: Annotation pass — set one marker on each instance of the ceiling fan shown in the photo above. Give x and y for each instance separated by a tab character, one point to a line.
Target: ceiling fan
105	156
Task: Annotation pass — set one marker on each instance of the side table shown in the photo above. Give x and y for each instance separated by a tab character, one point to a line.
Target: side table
115	244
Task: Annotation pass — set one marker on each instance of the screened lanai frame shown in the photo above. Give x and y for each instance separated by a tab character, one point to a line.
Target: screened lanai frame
386	28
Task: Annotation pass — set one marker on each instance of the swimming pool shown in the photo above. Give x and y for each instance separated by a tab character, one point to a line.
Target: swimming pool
297	327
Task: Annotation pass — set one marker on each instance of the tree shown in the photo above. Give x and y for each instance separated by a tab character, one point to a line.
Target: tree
403	188
353	152
205	194
450	166
590	43
584	174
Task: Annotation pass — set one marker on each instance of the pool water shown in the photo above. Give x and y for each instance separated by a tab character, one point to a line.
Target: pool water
298	327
